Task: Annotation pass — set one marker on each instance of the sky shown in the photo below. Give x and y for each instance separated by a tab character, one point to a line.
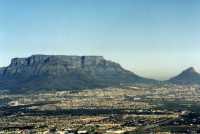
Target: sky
153	38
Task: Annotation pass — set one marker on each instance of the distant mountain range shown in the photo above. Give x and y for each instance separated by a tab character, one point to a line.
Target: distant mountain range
62	72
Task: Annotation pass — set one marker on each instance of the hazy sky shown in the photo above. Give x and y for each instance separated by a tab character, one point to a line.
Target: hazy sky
153	38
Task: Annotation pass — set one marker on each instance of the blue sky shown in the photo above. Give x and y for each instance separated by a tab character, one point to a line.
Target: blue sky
153	38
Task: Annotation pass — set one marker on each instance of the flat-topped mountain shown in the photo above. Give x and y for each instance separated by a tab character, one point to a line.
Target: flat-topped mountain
64	72
188	77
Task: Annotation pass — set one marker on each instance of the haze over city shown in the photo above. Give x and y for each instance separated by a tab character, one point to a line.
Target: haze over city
153	38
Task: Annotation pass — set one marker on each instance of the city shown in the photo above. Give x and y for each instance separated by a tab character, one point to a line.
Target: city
131	109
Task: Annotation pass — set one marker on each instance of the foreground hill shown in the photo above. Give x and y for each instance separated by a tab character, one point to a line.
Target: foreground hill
64	72
188	77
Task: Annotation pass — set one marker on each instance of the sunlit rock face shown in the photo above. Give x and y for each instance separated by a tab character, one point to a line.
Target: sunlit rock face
64	72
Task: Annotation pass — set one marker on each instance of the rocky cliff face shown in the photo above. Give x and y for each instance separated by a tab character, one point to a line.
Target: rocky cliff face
64	72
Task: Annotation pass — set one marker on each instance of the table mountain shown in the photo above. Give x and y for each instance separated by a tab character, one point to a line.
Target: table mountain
188	77
64	72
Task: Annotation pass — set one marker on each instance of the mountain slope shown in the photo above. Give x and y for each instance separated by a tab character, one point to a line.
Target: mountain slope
64	72
188	77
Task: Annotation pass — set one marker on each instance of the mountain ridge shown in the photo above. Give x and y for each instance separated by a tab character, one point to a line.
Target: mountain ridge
188	76
65	72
